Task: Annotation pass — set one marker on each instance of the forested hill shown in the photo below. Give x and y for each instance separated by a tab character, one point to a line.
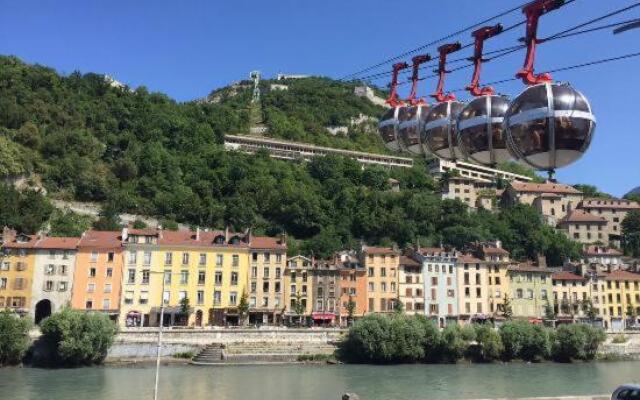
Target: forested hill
302	110
142	152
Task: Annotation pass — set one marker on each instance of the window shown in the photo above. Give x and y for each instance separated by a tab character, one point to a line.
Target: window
52	254
144	297
278	258
253	287
383	286
217	297
200	297
5	266
133	257
254	272
434	281
145	276
184	277
203	259
529	293
265	286
201	277
219	260
182	295
372	287
48	286
128	297
370	271
107	288
293	289
265	272
106	304
88	304
266	257
234	278
218	278
18	283
278	273
185	258
50	269
3	283
277	287
147	258
94	256
167	277
233	298
543	294
252	302
235	260
166	297
304	290
110	256
92	272
319	304
383	272
478	293
265	302
91	287
168	258
131	277
467	292
518	293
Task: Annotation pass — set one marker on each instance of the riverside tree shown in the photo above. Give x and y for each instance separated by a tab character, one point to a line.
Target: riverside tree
14	338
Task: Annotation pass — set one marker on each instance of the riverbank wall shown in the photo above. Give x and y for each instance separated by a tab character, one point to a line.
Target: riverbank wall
248	344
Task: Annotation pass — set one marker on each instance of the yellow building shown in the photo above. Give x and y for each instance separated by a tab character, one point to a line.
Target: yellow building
531	290
569	293
17	266
298	286
381	264
497	261
267	286
473	289
618	295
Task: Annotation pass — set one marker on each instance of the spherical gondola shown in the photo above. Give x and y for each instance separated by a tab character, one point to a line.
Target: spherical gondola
481	133
549	125
388	128
411	124
439	135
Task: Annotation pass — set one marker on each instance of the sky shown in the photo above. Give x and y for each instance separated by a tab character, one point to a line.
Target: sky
187	48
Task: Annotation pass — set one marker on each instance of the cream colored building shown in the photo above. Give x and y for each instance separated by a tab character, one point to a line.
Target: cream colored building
497	260
267	279
381	264
570	291
473	289
552	200
411	286
298	285
584	227
531	290
614	211
474	193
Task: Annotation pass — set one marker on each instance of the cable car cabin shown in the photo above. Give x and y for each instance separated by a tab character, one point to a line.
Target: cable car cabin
481	134
411	121
549	125
388	128
439	135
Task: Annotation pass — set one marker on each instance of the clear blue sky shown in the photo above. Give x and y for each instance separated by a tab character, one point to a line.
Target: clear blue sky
186	48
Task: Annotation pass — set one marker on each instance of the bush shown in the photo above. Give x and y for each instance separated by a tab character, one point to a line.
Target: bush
14	338
576	342
618	339
488	345
185	354
452	344
523	340
72	338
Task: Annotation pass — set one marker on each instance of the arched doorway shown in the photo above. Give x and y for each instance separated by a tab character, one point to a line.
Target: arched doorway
43	310
199	318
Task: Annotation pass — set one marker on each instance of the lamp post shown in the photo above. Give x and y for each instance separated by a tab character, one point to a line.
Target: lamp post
159	344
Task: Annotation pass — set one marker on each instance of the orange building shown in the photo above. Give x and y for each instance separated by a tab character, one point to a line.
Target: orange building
17	265
353	285
98	273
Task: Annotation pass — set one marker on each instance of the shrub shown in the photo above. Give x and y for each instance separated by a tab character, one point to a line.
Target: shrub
184	354
14	338
618	339
489	345
452	344
523	340
73	338
576	342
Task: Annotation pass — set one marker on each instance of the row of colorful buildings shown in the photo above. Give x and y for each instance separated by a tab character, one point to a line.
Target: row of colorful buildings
131	273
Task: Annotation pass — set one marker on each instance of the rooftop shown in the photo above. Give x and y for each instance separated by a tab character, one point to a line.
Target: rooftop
379	250
58	243
582	216
600	251
618	204
567	276
409	262
528	267
101	239
546	188
620	275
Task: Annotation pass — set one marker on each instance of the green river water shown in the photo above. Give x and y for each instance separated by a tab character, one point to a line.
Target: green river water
318	382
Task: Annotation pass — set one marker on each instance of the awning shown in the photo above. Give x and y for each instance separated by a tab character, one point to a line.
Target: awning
323	316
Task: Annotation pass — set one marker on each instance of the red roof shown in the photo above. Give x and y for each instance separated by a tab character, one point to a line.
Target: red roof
494	250
621	275
143	232
194	238
62	243
11	242
427	251
468	259
609	203
267	242
408	261
567	276
527	267
380	250
101	239
583	216
544	188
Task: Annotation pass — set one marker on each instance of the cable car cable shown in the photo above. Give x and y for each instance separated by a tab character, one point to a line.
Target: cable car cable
449	36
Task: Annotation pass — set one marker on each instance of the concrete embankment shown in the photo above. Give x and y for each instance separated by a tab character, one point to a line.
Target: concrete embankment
237	345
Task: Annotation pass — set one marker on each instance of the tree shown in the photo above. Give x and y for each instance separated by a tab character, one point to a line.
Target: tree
14	338
243	308
398	306
299	307
108	220
68	223
589	310
139	224
549	312
351	309
74	338
507	308
185	309
631	233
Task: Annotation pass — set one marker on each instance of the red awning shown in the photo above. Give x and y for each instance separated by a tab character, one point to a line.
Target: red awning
323	316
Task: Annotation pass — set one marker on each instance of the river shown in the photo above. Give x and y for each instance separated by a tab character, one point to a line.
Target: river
318	382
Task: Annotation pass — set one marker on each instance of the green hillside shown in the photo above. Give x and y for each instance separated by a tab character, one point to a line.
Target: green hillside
144	153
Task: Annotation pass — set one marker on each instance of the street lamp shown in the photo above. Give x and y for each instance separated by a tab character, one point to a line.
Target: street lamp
161	322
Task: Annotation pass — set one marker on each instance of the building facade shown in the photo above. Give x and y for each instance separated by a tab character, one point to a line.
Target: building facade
570	292
614	211
473	289
326	293
583	227
267	279
381	264
440	279
17	266
299	287
411	286
531	291
353	286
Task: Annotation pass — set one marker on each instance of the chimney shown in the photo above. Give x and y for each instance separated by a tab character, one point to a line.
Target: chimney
125	234
197	233
569	207
283	238
542	260
160	232
226	234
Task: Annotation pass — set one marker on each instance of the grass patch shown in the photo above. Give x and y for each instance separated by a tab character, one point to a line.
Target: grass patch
185	355
617	339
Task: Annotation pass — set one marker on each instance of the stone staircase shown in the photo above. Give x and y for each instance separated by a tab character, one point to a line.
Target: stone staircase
211	354
261	352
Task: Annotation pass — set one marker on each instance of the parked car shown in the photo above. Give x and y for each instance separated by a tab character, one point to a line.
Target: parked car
627	392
